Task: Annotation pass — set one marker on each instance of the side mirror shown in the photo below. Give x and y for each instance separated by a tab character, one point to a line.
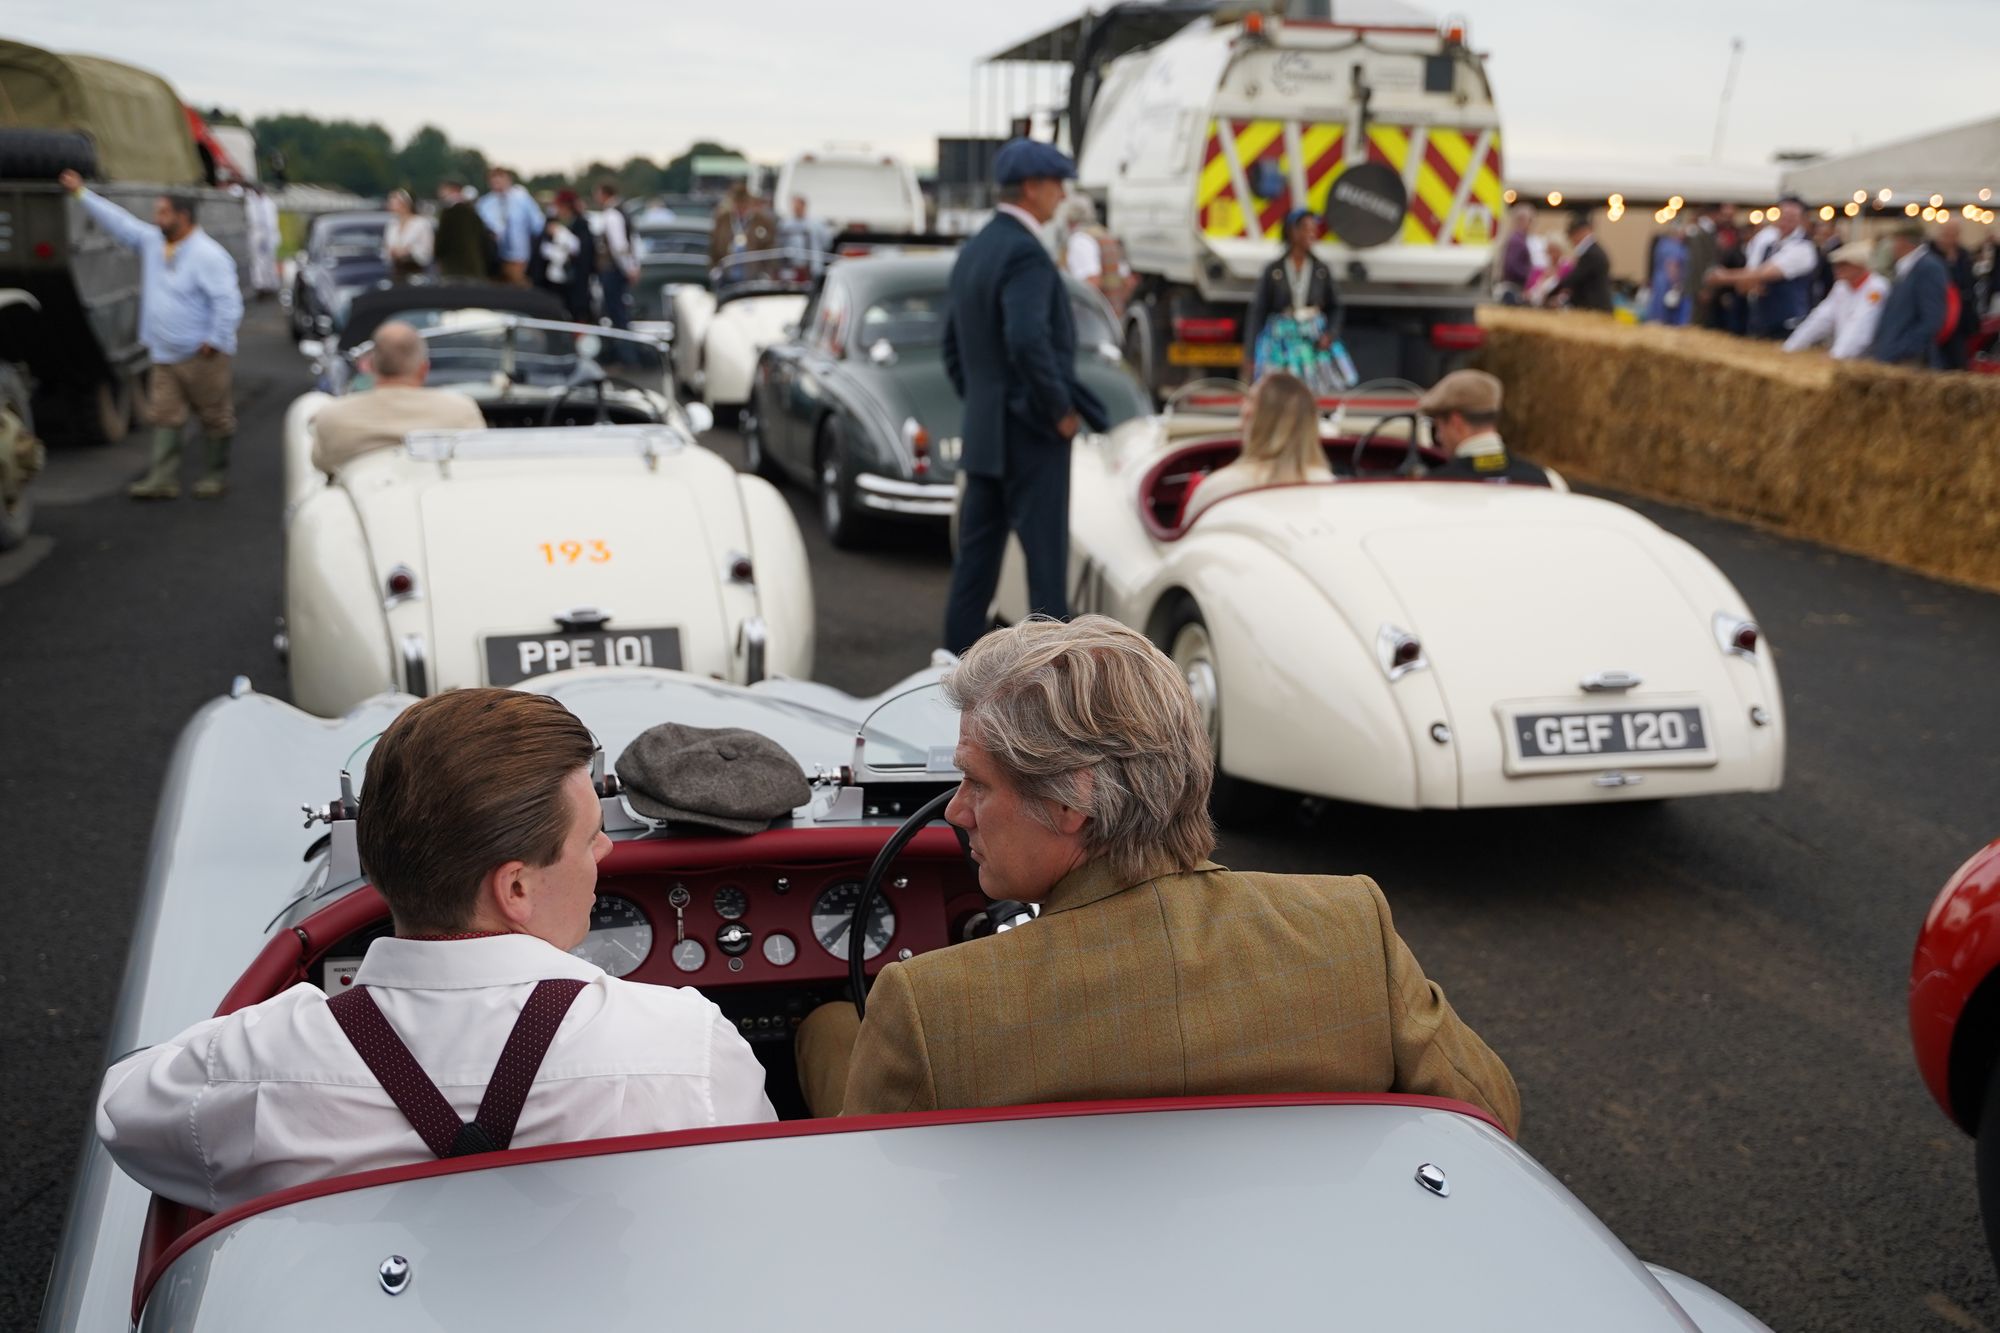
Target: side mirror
700	419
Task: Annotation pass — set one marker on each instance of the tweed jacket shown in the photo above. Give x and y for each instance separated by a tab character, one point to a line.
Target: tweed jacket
1204	982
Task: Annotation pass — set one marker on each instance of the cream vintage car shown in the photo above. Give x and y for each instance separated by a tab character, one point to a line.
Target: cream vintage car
752	301
490	556
1396	639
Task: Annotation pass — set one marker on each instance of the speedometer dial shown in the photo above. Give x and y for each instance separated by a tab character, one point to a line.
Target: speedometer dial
621	936
835	908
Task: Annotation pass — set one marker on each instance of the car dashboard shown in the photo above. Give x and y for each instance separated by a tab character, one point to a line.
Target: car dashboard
767	941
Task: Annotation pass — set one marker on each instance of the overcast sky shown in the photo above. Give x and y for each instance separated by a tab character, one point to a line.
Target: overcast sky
553	85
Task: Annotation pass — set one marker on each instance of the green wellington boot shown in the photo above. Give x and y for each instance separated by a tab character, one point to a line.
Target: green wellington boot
216	484
162	481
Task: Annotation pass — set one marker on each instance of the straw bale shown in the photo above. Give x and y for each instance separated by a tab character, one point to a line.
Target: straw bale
1900	465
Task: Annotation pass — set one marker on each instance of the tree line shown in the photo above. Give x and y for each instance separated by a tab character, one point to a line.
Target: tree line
366	160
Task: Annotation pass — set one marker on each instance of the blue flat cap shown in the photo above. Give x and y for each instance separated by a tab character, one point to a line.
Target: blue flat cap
1027	159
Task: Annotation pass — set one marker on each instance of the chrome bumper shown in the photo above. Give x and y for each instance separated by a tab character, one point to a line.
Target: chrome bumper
917	499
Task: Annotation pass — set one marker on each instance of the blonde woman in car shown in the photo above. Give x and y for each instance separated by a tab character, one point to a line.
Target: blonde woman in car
1281	444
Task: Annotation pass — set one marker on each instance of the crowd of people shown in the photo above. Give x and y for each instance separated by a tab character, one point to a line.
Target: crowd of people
1917	298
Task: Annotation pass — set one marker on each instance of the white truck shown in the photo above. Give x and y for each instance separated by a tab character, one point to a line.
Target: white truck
1196	147
852	188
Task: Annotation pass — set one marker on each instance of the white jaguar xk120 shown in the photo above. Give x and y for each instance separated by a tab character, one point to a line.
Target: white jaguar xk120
489	556
1403	640
752	301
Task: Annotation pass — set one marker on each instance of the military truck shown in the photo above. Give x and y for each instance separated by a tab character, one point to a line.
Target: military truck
125	130
1199	126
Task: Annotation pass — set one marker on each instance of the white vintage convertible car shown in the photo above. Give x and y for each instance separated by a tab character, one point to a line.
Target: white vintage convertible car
489	556
1402	640
752	301
1364	1211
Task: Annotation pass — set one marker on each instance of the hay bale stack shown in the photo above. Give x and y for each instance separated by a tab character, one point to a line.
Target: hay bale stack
1896	464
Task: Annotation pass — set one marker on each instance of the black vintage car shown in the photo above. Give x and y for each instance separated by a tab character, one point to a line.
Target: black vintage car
345	255
857	403
671	248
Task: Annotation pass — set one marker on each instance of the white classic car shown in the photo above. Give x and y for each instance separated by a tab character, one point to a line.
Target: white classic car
752	301
1402	640
1355	1210
490	556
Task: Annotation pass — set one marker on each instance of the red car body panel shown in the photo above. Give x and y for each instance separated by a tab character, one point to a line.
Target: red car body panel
1958	949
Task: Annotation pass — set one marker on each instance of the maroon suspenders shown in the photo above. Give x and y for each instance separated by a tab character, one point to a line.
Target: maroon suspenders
418	1098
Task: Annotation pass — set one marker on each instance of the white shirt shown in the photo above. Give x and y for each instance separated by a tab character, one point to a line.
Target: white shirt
1022	216
559	246
1485	444
1235	478
1794	255
608	226
1847	318
276	1095
1083	256
1909	261
415	236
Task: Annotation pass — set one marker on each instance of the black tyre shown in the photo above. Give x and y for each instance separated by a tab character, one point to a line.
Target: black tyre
301	316
43	155
1986	1160
845	527
756	458
1186	640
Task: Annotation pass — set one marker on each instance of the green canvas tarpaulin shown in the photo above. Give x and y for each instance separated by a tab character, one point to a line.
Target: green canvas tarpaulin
135	118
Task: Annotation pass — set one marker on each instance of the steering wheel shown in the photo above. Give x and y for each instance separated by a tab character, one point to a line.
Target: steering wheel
871	889
1412	464
1000	915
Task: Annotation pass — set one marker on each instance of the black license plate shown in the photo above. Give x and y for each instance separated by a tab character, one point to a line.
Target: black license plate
511	658
1545	739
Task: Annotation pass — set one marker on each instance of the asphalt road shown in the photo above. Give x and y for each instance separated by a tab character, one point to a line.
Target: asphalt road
1702	1001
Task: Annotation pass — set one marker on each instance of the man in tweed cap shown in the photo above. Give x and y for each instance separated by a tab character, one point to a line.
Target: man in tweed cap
1151	971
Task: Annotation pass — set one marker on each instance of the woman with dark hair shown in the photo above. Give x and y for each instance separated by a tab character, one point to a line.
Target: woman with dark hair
569	257
411	239
1294	318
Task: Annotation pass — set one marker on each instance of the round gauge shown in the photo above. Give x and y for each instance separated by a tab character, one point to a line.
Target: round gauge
620	936
835	907
780	949
688	955
730	904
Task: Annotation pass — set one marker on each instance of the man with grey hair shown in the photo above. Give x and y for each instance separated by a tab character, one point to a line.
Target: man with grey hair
1151	970
396	404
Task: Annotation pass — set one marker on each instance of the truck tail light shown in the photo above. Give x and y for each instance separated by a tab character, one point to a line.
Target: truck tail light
1220	329
1457	337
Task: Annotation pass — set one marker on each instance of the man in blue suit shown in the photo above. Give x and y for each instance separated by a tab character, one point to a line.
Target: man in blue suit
1913	316
1010	349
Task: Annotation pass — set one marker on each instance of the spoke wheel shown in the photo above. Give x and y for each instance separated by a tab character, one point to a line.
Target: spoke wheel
844	527
1231	800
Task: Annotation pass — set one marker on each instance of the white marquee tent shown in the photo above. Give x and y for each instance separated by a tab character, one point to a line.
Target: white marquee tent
1956	163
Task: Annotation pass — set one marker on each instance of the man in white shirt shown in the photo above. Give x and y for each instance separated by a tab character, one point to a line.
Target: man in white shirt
617	266
1850	312
398	403
482	830
807	239
1777	272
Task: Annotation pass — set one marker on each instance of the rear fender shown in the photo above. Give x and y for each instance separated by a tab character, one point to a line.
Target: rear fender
340	651
784	582
1954	992
1304	704
301	479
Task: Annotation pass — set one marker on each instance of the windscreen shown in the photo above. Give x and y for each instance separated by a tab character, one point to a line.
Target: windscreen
915	319
915	732
476	346
352	239
672	242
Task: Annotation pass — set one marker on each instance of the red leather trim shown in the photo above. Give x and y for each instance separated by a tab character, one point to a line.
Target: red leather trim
1958	948
787	1129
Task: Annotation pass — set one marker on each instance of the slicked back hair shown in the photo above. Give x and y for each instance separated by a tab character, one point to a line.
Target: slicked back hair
460	783
1052	702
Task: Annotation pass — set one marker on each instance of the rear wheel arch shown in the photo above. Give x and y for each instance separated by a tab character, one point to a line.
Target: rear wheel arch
1975	1050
